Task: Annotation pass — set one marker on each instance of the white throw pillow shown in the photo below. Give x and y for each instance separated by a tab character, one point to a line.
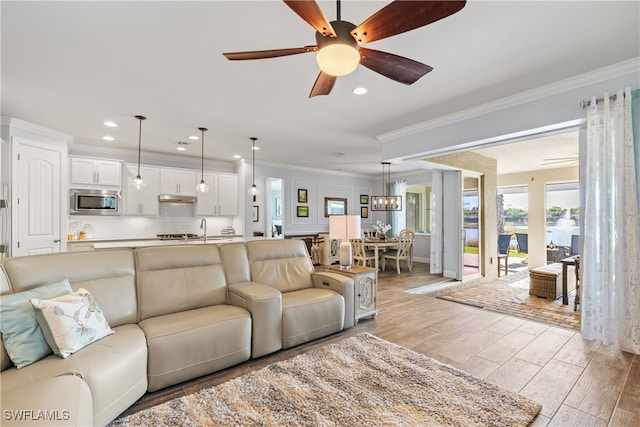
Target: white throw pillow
70	322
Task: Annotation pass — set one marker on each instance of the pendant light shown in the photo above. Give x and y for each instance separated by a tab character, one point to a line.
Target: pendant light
386	202
202	187
137	182
253	190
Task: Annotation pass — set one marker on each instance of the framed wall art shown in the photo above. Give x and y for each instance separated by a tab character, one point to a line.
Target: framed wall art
364	199
335	206
364	212
256	213
302	195
302	211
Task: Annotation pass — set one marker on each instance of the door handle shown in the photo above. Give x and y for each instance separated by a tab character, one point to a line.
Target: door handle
56	240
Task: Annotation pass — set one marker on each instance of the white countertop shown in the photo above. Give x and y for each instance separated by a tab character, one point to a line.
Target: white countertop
135	243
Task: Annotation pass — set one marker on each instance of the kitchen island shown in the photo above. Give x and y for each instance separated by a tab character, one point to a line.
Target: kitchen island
91	244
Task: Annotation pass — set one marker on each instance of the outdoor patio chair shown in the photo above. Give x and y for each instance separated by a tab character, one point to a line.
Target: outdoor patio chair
523	244
575	245
503	253
576	300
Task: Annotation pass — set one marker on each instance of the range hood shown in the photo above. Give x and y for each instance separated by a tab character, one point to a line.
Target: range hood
176	198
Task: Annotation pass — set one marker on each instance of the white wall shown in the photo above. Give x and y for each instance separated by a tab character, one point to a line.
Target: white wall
318	185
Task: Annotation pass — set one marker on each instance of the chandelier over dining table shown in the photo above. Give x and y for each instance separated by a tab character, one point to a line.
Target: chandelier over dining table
386	202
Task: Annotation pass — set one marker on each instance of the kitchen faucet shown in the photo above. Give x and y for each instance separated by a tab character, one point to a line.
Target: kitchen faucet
203	224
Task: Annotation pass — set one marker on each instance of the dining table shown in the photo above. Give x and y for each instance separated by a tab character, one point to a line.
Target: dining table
376	244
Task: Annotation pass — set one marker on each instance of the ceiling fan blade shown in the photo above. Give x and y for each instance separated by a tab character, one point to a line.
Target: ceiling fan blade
551	159
311	12
401	16
398	68
273	53
323	85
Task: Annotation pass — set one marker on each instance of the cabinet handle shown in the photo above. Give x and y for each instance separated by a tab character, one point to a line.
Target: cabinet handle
98	177
56	240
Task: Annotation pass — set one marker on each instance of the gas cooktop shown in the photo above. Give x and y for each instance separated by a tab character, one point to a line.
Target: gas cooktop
178	236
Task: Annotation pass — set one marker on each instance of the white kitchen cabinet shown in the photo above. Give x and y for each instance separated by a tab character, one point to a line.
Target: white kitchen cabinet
178	181
95	172
222	198
145	200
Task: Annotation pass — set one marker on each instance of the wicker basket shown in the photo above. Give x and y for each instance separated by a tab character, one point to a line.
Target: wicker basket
546	281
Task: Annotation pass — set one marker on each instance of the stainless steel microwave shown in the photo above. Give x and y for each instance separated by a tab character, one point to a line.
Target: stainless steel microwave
94	202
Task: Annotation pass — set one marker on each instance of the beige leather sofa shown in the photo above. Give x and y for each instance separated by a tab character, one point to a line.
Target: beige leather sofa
178	312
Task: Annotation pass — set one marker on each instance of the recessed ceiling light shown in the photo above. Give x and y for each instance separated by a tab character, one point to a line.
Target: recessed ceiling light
182	146
237	156
360	91
255	148
111	124
194	138
108	138
336	154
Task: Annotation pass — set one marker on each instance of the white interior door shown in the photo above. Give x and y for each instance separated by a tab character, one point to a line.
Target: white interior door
37	200
453	236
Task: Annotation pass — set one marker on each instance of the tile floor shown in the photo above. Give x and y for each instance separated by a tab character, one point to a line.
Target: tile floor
578	382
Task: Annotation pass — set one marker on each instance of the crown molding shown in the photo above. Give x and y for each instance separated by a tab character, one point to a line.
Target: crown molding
25	126
601	74
148	157
312	170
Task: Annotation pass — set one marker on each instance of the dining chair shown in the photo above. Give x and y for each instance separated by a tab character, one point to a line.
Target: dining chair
403	252
361	254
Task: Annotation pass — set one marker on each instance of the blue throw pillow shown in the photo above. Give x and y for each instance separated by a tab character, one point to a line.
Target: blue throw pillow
21	333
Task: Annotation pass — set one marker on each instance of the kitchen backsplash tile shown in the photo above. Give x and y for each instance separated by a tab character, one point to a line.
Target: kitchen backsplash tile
174	218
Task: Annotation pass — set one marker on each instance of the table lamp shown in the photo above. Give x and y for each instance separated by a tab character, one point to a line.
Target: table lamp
344	227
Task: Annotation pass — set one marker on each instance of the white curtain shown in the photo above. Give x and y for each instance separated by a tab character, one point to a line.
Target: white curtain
435	266
610	262
398	219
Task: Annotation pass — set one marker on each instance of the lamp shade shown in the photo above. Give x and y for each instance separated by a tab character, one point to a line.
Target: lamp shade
344	227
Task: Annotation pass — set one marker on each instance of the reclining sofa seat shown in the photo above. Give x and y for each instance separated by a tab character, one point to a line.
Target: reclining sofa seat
114	368
191	328
313	304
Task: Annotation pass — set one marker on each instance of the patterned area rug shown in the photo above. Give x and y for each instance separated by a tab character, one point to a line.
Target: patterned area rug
510	295
362	380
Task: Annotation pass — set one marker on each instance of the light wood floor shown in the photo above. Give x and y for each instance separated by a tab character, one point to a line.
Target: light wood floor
578	382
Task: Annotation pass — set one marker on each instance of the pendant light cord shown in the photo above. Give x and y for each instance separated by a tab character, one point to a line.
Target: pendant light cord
253	155
202	154
140	119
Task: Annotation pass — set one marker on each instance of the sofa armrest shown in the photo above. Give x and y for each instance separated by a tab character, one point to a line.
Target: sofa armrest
342	285
265	305
63	400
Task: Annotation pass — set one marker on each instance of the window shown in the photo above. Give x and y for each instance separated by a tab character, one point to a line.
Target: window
513	211
563	213
418	213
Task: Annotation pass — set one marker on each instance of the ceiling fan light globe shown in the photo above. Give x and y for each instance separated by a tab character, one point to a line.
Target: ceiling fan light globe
338	59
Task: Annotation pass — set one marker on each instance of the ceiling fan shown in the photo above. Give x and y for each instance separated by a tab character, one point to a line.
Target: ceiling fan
566	161
338	42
